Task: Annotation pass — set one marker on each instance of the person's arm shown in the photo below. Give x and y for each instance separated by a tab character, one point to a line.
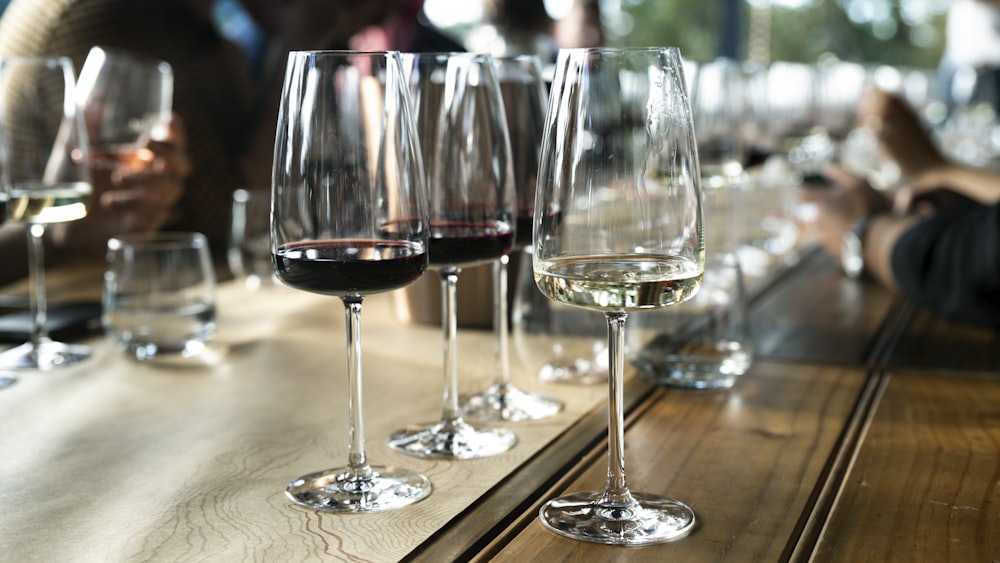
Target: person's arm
974	183
950	263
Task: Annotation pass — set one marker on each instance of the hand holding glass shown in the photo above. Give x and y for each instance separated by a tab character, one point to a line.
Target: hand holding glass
126	100
618	228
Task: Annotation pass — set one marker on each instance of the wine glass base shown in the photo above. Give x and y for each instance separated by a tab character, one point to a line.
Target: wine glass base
506	402
452	440
44	355
335	490
653	519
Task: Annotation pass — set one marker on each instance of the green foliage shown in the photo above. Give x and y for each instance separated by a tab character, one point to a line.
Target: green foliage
796	34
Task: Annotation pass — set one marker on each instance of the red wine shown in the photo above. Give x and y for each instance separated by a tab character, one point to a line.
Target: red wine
349	267
456	243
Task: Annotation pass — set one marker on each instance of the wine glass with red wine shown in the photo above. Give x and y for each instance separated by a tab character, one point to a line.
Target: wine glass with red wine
620	166
463	135
524	99
349	219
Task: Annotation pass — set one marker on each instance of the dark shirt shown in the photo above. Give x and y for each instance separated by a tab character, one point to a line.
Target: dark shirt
950	263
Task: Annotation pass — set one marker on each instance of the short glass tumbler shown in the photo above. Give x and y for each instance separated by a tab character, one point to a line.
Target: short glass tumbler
159	295
704	343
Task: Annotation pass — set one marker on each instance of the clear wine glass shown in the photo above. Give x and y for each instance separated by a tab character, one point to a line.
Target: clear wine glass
43	142
6	379
126	100
349	219
466	148
524	98
618	228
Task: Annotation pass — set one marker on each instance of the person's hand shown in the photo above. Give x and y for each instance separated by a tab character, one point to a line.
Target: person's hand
900	132
139	196
842	205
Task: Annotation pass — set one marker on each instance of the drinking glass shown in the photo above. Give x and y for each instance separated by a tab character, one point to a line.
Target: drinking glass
463	134
43	139
349	220
126	100
523	94
159	296
249	252
560	343
618	228
718	111
703	343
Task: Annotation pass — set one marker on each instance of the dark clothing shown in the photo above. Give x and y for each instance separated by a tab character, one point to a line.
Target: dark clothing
950	263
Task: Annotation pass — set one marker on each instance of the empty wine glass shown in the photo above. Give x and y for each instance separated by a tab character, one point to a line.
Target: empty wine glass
349	219
463	134
618	228
42	144
523	94
126	99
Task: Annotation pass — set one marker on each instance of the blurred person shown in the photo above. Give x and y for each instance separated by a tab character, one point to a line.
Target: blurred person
581	27
936	239
188	184
514	27
291	25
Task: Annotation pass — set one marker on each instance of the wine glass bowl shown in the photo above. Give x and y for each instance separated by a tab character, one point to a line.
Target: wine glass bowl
349	219
42	143
126	101
466	151
618	229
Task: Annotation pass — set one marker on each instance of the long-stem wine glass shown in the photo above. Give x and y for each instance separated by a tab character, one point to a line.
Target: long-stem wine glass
466	147
44	145
618	228
523	94
349	219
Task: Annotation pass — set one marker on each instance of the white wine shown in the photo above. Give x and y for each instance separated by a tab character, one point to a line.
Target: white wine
628	282
49	203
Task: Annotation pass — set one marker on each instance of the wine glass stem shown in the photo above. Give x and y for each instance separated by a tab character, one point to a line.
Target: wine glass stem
449	282
36	274
500	322
357	464
616	490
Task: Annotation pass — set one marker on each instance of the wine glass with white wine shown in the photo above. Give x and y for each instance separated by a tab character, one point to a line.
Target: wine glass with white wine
43	148
618	229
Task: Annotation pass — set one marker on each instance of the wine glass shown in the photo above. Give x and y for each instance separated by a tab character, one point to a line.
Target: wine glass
43	138
349	219
618	228
466	147
523	94
126	99
6	379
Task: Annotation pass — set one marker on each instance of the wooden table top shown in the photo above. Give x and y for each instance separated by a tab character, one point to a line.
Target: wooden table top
866	430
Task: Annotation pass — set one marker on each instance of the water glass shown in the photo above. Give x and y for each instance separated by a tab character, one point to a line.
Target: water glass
704	343
159	295
249	252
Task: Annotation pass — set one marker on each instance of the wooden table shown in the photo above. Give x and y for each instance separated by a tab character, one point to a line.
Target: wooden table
866	430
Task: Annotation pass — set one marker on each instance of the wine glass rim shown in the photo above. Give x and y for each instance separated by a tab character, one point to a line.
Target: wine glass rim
620	50
343	52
